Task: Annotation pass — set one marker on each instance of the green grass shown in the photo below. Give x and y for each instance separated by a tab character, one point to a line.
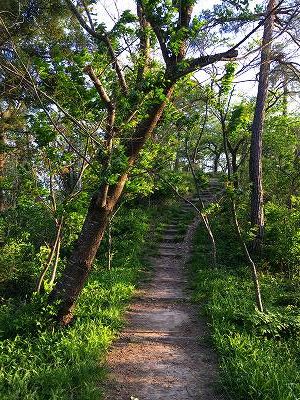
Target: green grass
259	353
40	361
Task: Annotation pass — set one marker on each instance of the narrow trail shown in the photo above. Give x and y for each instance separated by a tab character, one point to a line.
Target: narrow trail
160	354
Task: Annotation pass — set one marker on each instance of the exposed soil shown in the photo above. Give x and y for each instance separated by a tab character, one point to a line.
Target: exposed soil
162	353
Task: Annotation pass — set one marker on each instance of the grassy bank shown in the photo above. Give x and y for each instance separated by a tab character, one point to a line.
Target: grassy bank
259	353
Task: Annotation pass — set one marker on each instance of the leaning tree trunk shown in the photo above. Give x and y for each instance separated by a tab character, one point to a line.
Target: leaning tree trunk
70	285
101	207
255	162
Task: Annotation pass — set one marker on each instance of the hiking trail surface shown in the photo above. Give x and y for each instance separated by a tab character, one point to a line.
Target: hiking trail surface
161	353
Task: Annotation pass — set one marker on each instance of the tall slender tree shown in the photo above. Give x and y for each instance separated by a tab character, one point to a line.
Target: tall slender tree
255	162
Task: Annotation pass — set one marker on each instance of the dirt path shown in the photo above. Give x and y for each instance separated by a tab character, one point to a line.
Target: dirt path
160	355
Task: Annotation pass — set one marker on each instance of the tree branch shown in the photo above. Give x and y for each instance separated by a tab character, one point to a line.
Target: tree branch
82	22
144	41
100	88
103	37
159	35
203	61
116	64
261	23
88	14
184	18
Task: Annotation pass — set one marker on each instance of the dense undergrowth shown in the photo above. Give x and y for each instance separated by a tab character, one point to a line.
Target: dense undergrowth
42	361
259	353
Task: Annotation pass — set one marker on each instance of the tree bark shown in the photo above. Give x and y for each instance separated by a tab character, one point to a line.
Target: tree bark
74	276
255	162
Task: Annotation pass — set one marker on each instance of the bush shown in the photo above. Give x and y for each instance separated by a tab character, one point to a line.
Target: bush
282	236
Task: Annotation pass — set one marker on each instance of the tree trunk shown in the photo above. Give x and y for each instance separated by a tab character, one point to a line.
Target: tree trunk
2	166
235	168
255	162
216	162
70	285
53	274
101	206
251	263
225	146
54	251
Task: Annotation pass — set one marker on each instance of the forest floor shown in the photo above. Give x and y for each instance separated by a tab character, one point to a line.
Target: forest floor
163	353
